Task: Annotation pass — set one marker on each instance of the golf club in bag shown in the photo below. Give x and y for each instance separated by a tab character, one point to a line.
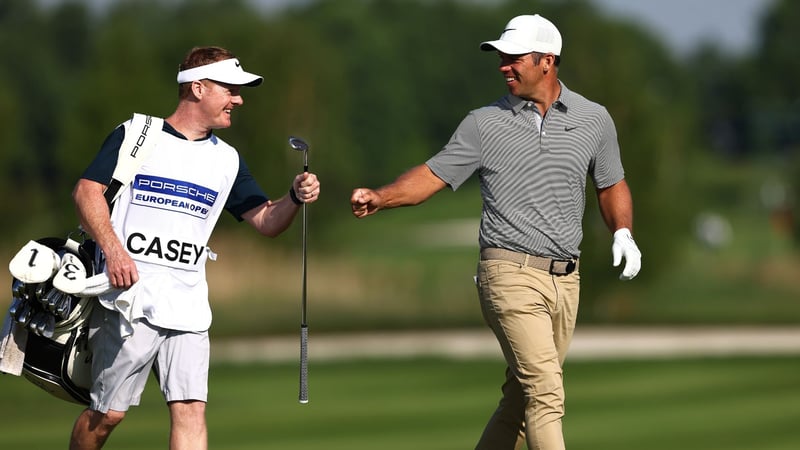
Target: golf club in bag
300	145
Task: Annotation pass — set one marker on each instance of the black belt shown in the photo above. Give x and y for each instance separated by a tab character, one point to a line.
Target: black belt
553	266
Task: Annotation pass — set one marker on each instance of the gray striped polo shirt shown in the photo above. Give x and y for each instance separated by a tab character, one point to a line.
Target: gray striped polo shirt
533	183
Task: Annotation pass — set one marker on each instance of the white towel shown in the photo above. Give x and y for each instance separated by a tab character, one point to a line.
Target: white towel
13	340
126	303
96	285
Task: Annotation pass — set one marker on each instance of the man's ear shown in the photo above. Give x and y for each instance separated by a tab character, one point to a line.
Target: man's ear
548	61
198	88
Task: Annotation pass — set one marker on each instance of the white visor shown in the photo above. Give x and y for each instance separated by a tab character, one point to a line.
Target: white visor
226	71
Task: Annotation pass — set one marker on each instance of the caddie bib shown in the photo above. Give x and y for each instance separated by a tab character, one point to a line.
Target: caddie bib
165	217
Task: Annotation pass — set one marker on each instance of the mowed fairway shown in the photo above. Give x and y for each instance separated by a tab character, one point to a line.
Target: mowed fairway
695	404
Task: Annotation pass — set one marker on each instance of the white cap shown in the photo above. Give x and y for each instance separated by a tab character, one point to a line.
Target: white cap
526	34
226	71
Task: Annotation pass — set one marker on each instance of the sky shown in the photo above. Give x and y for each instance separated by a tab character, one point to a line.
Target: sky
682	24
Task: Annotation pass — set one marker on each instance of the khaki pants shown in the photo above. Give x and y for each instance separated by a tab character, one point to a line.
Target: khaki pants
533	315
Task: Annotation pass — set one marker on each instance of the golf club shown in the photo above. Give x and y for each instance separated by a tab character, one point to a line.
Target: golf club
16	304
301	145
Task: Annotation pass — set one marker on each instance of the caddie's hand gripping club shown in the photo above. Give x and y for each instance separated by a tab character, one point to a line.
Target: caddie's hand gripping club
301	145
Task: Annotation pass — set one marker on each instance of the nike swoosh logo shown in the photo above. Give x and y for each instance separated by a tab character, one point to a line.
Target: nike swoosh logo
238	64
570	128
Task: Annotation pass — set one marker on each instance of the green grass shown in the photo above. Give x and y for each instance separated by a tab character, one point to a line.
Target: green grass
730	404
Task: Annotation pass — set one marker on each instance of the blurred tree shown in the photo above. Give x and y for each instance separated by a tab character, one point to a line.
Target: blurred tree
725	109
773	75
773	100
35	85
406	88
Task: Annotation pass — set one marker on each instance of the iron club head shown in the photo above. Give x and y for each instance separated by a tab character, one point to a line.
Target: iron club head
301	146
298	144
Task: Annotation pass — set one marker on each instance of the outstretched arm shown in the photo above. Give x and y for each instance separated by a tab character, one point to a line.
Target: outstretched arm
411	188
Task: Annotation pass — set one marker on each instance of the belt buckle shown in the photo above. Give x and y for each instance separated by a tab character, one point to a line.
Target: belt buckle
570	266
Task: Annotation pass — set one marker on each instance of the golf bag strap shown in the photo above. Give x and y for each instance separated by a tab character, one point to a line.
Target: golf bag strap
141	137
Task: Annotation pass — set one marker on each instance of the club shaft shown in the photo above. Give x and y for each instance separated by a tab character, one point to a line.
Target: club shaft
303	320
303	396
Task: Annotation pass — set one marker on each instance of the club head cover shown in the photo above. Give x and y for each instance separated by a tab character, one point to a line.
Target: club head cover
71	276
34	263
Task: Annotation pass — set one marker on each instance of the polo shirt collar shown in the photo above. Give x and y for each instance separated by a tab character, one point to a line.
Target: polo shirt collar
561	103
516	103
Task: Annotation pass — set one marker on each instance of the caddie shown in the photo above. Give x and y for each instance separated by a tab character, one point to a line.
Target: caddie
153	246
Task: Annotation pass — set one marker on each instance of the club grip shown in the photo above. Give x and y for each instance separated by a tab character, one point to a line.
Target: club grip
304	364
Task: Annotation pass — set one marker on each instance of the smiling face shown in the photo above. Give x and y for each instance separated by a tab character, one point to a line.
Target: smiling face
526	75
520	73
217	101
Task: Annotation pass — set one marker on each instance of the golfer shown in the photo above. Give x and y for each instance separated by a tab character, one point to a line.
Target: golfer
532	150
153	244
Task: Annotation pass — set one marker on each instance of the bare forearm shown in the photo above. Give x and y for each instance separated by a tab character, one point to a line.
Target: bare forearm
411	188
273	218
616	206
93	214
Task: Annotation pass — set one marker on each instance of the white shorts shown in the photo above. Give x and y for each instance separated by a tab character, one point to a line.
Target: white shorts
120	367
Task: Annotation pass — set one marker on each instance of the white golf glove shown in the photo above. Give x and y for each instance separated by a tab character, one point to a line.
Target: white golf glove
625	247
